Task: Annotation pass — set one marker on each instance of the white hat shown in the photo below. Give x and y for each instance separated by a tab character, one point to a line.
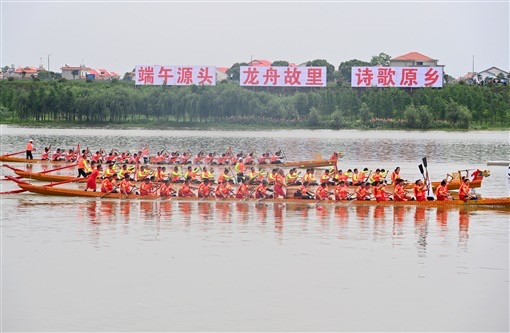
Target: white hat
30	140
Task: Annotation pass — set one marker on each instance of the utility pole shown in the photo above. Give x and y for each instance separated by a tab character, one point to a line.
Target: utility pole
473	69
49	63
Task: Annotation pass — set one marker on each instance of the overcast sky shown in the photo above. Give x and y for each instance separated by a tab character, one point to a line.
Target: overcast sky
119	35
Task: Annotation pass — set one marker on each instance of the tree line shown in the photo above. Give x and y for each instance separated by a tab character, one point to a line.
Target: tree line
337	106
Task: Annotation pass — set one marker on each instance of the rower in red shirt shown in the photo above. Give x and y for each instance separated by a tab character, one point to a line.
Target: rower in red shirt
322	192
91	181
185	189
342	191
420	190
242	190
204	189
442	192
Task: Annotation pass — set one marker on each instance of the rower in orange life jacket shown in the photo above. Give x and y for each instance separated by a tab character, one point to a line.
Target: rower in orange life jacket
185	189
376	176
442	192
395	175
221	190
309	177
379	192
399	193
209	158
107	185
262	159
325	177
125	185
292	177
279	184
176	175
204	189
91	181
362	175
342	191
192	173
239	168
45	154
322	192
82	172
166	189
146	187
465	191
224	176
362	192
420	190
109	171
303	192
29	149
145	155
242	191
261	191
206	174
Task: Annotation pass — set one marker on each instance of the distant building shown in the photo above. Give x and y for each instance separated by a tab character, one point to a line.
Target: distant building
260	62
414	59
221	73
83	72
27	72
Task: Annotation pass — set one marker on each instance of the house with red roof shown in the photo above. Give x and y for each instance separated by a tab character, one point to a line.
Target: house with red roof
27	72
260	62
82	72
414	59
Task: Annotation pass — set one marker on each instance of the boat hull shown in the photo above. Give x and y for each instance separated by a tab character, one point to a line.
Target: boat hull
485	202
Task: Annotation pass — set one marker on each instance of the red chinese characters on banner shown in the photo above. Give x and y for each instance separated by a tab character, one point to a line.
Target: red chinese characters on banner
280	76
408	77
252	74
204	76
175	75
184	75
314	76
385	76
272	76
146	75
431	77
364	76
166	74
291	76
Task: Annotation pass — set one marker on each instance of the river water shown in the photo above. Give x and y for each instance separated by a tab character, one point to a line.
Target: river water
73	264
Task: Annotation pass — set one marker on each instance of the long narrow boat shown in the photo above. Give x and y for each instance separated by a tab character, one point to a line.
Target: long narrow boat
297	164
46	177
485	202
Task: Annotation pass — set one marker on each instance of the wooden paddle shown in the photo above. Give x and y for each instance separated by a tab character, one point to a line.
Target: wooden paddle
16	153
60	168
104	195
427	180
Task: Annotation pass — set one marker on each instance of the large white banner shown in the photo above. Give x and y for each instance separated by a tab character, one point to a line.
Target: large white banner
411	77
175	75
268	76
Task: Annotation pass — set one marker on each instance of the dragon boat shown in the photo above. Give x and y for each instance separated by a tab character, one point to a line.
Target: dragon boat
46	177
54	191
297	164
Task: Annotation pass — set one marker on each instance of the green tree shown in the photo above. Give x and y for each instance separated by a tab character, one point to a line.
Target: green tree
330	69
382	59
344	69
234	71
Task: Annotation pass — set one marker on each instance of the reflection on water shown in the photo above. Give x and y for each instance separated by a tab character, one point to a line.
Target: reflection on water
378	223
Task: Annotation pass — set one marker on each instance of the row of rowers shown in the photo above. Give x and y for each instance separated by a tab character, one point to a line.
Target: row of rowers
227	189
162	157
254	176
